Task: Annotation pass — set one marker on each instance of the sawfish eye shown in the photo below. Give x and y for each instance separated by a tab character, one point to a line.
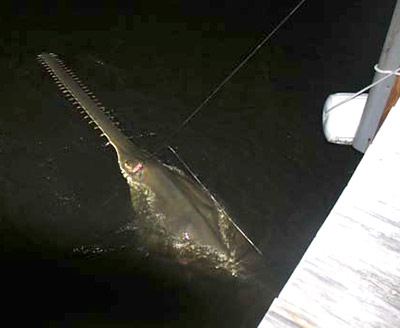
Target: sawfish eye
129	165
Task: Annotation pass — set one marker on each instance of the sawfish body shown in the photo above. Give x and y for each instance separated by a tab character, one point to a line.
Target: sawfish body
177	215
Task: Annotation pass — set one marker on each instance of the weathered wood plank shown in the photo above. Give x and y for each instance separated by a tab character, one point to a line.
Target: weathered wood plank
350	274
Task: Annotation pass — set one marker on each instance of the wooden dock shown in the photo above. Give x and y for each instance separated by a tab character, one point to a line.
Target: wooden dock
350	274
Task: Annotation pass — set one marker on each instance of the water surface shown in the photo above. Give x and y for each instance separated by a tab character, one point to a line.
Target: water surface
258	146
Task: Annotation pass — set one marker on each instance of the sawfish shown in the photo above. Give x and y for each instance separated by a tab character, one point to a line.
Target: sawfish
177	215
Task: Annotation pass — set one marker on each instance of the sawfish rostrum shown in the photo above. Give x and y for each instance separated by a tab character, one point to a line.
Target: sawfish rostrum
176	216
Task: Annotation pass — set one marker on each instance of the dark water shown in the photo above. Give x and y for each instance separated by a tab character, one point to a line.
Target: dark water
258	145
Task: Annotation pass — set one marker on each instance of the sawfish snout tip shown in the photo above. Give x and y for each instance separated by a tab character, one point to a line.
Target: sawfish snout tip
44	53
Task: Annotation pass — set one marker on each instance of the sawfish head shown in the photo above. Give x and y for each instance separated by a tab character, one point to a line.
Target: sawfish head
176	215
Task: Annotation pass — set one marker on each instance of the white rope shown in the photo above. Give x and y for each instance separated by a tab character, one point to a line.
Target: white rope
396	72
377	69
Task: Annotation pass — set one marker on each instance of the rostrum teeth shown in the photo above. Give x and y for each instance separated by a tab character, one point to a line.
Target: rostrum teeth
70	86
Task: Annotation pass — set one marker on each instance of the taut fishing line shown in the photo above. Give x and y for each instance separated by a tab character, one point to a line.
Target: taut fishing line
234	71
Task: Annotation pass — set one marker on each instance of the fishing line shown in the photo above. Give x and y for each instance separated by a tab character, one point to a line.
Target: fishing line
214	200
234	71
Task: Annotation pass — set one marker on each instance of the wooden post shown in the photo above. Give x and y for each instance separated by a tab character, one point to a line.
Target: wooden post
381	97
